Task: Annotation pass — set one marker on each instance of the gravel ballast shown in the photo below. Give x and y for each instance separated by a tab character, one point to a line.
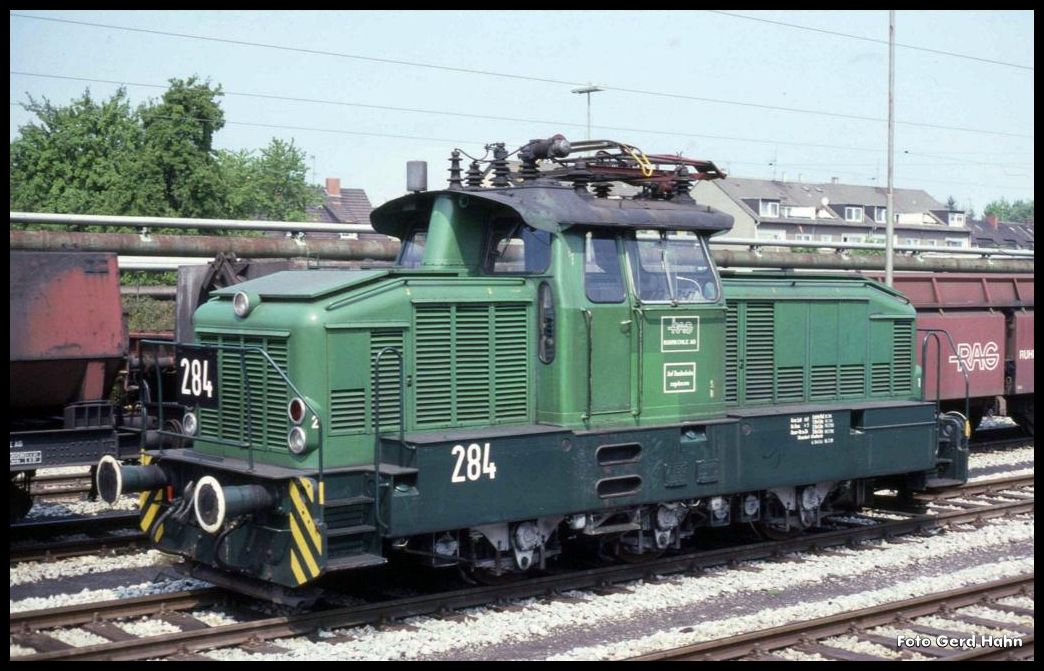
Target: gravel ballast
537	629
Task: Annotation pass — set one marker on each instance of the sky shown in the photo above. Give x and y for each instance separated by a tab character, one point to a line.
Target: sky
761	99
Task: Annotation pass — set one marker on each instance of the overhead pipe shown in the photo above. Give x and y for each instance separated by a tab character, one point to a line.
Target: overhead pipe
376	249
786	260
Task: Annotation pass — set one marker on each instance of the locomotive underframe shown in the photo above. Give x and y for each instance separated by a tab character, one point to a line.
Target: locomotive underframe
644	488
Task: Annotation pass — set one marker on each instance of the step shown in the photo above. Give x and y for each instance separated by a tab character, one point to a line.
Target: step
354	561
351	531
393	470
348	501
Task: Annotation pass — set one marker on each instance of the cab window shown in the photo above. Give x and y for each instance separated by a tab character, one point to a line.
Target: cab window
603	281
515	247
412	252
672	267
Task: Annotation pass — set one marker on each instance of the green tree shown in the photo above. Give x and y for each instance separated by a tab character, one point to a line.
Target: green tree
1019	211
93	157
180	176
76	159
951	204
271	186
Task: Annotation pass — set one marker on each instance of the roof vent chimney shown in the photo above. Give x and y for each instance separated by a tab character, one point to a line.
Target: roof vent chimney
992	220
333	186
416	176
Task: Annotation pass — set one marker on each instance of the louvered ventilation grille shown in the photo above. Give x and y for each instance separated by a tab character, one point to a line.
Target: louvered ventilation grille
853	379
511	379
903	352
472	362
731	352
790	384
266	423
880	378
389	376
434	365
824	383
463	350
347	411
759	346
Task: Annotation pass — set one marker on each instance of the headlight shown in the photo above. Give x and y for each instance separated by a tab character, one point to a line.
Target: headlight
297	440
189	424
295	410
241	304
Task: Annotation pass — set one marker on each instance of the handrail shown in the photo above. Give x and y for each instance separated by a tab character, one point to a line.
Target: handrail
590	354
640	323
934	333
377	456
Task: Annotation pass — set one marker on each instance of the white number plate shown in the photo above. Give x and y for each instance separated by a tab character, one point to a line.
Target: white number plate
197	374
473	463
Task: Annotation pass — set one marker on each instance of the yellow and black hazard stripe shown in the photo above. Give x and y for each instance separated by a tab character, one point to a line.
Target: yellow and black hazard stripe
149	503
306	551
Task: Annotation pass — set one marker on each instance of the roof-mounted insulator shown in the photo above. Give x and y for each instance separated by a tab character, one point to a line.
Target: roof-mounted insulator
682	186
454	171
474	175
602	189
580	176
537	150
500	166
528	171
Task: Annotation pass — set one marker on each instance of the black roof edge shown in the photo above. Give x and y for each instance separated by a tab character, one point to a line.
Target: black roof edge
555	208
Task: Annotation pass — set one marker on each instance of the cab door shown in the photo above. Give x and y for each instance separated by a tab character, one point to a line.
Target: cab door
680	318
609	326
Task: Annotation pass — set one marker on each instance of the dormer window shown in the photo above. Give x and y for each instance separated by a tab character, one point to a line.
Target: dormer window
956	219
881	215
769	208
854	214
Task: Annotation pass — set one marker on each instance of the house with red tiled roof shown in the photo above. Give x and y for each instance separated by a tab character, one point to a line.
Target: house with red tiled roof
341	206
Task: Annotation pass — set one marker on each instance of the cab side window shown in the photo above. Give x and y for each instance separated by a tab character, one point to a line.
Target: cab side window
603	279
515	247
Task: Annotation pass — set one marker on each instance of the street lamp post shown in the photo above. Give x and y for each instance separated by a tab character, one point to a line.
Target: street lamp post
588	90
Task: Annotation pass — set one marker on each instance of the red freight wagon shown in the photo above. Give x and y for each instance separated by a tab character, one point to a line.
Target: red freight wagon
990	320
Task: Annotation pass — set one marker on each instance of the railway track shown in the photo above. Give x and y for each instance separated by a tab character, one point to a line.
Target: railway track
30	628
813	636
1000	440
60	485
41	539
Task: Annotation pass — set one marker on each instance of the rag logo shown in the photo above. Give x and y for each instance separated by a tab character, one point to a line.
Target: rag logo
680	333
976	356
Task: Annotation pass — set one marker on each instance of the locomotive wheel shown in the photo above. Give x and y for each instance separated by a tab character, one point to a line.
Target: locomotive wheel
486	576
773	533
623	553
629	557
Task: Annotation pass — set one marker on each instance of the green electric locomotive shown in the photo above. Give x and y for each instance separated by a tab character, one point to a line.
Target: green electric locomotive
554	362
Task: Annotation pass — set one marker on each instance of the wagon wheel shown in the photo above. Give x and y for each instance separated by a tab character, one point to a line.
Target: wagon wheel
20	503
